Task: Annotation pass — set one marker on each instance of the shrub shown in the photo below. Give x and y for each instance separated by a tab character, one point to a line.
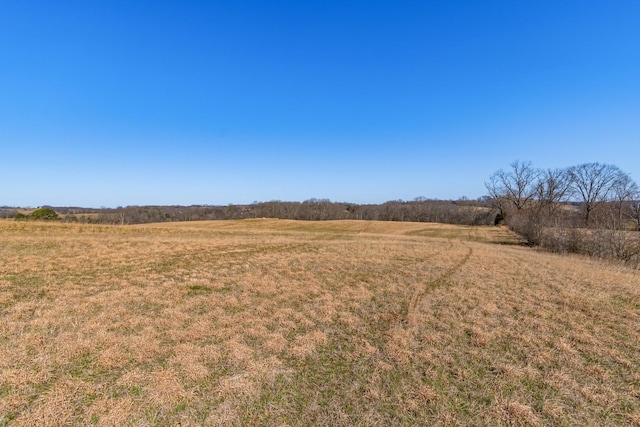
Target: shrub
528	225
46	214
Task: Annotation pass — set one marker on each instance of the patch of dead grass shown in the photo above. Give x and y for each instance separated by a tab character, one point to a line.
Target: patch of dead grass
303	323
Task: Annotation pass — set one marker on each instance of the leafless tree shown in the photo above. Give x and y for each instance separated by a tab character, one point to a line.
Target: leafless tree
515	188
553	189
624	192
593	183
635	211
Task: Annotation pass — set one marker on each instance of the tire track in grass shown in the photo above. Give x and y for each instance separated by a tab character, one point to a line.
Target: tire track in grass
422	290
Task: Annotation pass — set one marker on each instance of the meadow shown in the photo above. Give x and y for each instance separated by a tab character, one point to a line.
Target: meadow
292	323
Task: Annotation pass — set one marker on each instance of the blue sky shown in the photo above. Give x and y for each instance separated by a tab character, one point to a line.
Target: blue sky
206	102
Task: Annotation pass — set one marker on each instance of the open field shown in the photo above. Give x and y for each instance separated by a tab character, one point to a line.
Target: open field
267	322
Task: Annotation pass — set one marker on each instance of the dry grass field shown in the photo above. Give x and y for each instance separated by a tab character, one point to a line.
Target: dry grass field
267	322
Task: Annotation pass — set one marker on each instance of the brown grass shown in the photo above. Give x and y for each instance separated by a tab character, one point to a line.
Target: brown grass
267	322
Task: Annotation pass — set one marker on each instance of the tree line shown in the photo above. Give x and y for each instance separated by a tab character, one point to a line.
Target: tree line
591	208
463	211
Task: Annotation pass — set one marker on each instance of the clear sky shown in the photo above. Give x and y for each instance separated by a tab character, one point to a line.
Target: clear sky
107	103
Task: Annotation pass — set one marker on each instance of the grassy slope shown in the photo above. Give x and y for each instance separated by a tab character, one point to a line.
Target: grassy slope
292	323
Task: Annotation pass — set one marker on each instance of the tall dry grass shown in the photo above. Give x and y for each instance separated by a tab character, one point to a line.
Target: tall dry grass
295	323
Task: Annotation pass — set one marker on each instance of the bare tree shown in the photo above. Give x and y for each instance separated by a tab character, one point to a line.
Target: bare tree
517	186
624	192
496	196
593	183
635	211
553	189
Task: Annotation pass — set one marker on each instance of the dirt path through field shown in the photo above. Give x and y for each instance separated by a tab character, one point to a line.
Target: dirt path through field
422	289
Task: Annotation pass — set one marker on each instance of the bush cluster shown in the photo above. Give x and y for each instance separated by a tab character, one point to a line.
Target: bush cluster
42	214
